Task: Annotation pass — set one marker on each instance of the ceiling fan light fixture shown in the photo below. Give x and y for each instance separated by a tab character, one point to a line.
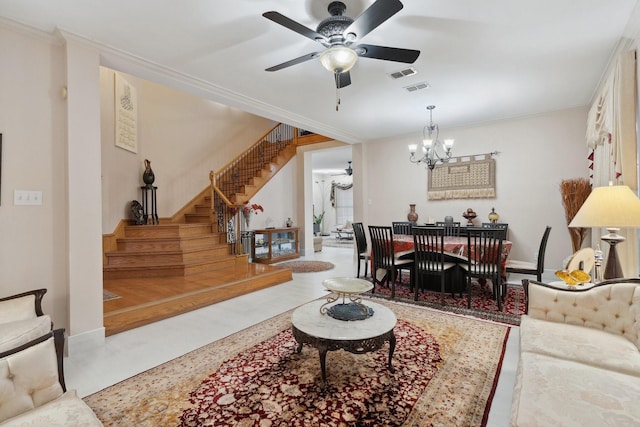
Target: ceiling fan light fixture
338	59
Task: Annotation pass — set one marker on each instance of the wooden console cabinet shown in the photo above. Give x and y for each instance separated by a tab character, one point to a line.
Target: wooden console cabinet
275	245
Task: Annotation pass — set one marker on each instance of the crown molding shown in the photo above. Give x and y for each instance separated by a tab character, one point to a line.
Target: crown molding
140	67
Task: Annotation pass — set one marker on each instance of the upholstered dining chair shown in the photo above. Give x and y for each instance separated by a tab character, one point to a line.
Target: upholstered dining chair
402	227
484	259
450	228
361	247
429	259
534	268
385	258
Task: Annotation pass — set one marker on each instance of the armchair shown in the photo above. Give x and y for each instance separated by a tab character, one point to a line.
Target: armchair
34	391
22	319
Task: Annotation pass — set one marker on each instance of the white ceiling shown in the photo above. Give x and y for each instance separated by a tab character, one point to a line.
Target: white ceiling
484	60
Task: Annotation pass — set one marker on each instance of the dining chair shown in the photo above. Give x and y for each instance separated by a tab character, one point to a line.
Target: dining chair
501	225
402	227
534	268
362	247
385	258
429	258
450	228
484	259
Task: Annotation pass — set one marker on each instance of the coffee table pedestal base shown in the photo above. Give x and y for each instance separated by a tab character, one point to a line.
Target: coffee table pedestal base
352	346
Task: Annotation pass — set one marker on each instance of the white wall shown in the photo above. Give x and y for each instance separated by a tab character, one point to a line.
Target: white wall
33	251
536	154
183	136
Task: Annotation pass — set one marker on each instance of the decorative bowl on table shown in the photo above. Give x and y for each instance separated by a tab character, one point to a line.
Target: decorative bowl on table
573	278
347	285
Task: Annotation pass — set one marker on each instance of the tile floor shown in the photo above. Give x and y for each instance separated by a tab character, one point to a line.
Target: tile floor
131	352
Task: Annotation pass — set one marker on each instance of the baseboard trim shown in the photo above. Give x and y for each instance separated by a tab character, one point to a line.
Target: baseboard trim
85	341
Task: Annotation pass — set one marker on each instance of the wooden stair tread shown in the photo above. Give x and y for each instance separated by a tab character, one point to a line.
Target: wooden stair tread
167	252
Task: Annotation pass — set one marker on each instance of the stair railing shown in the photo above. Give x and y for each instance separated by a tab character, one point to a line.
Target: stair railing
236	174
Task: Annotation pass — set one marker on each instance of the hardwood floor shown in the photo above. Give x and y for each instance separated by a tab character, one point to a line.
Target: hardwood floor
146	300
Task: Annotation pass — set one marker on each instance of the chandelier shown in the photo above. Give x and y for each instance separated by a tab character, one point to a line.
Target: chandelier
434	151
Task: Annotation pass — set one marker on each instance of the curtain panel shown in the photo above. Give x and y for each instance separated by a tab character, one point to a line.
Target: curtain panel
613	145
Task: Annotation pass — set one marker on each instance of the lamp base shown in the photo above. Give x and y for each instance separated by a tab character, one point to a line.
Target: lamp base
613	269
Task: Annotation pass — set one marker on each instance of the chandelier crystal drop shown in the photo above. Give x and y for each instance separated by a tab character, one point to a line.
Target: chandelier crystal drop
434	151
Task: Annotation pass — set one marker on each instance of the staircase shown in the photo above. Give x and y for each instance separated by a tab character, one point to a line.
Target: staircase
193	244
168	250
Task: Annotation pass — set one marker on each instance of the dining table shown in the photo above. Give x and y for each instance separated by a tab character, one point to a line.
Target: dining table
454	246
456	249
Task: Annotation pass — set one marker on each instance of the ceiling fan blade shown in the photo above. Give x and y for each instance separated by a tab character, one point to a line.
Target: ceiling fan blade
387	53
375	15
343	79
295	61
289	23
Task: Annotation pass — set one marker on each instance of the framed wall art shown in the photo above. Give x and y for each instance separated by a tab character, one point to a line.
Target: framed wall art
126	117
467	177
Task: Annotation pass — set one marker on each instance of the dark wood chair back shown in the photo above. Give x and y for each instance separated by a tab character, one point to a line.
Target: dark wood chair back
361	238
450	228
361	246
484	259
428	249
402	227
382	249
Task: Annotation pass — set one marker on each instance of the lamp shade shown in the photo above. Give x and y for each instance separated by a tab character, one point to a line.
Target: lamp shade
338	59
609	206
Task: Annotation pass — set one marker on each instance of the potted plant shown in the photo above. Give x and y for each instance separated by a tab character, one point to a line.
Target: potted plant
317	222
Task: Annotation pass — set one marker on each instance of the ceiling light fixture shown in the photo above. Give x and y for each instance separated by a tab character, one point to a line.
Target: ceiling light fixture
338	59
349	170
434	151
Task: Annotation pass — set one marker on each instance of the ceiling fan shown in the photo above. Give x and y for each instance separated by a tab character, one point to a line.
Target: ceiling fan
338	33
347	172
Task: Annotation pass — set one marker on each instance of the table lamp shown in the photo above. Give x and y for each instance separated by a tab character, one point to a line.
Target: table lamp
611	207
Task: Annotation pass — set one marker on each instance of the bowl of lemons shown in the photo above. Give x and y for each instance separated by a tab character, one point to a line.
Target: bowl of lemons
574	277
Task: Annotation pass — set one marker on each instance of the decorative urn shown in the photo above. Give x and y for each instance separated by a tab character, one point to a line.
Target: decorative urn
493	216
412	216
148	176
469	215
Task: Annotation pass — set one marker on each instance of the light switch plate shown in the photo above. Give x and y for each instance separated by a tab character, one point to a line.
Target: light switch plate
27	197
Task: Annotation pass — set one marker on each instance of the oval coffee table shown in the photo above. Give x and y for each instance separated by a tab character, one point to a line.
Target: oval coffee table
326	333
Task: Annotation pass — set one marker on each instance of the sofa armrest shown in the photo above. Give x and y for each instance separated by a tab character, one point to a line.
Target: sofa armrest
37	293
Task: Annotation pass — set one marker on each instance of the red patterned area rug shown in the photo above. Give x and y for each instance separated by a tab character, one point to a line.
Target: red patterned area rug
446	371
483	305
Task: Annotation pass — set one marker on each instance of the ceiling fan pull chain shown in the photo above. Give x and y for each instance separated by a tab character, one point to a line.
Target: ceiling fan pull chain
337	77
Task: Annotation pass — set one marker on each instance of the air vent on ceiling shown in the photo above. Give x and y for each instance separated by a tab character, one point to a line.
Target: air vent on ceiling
404	73
417	86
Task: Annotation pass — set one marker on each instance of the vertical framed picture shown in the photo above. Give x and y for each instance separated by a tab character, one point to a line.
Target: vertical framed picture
126	100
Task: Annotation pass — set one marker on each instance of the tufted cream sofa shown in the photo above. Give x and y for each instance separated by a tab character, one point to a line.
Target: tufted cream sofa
32	388
22	319
579	359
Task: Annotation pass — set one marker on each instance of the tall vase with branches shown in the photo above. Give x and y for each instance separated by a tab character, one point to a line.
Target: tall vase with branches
574	192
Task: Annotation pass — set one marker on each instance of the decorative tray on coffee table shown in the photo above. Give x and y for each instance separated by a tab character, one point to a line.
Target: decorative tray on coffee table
346	287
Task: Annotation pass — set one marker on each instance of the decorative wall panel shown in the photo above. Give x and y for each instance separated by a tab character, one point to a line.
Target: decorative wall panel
466	177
